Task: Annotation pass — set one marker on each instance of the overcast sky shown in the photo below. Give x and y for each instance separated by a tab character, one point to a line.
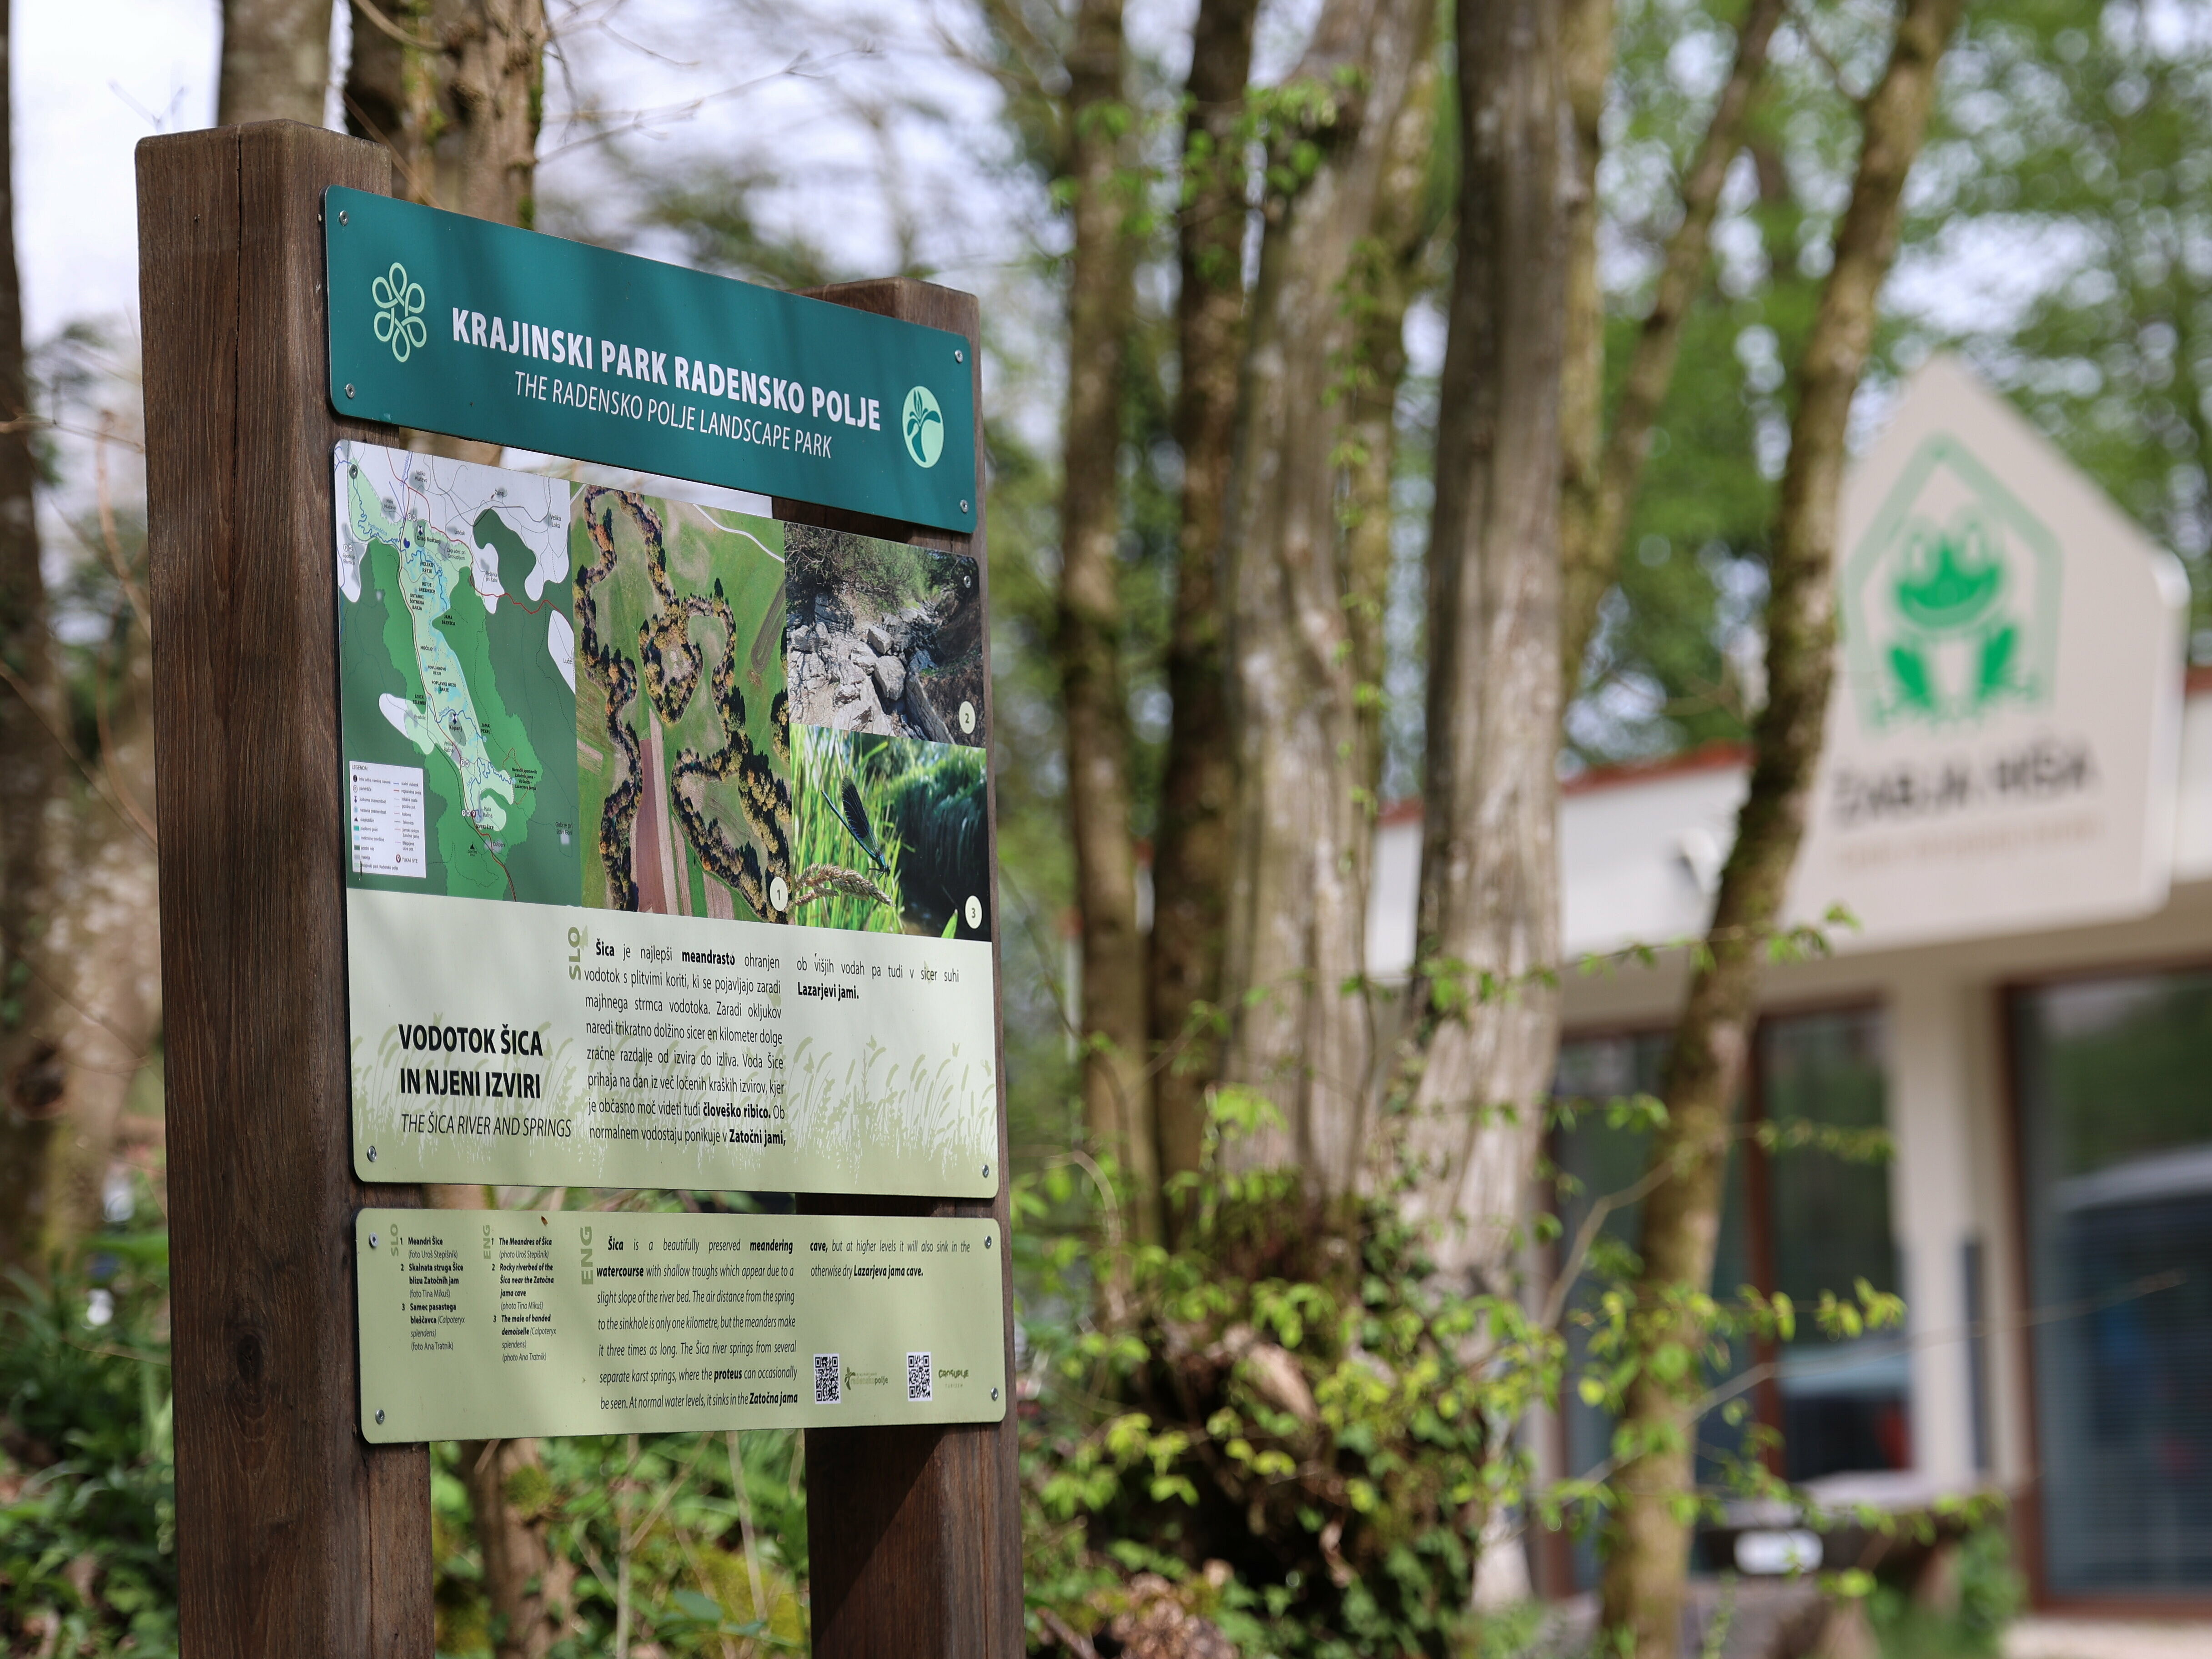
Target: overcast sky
784	89
92	77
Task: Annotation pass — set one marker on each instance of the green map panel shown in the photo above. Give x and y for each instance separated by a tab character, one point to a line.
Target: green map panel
452	630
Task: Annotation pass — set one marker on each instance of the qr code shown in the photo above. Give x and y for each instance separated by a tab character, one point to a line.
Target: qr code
828	1379
917	1376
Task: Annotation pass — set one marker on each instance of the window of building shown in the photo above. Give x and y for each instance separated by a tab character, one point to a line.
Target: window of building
1842	1406
2115	1086
1803	1221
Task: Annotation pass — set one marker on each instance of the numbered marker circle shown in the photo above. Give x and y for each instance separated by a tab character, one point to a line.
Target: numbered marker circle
974	911
778	894
967	718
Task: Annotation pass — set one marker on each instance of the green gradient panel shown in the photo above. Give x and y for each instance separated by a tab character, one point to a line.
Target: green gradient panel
480	1324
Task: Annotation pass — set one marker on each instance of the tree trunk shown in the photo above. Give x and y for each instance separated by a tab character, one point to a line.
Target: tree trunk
106	929
1190	857
1586	65
32	1075
1386	273
1600	492
1088	642
275	62
1471	1071
1642	1587
530	1586
454	89
1303	835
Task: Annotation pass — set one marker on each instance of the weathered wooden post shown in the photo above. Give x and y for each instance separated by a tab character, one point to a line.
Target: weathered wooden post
915	1536
294	1073
295	1535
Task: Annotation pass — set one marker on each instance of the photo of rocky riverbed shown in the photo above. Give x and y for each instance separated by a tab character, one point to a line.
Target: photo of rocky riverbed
885	639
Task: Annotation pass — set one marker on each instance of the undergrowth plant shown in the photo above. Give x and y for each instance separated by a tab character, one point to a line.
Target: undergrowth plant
668	1553
845	848
88	1459
1292	1418
1288	1415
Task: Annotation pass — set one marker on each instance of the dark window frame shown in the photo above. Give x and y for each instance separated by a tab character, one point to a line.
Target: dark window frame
2012	993
1553	1564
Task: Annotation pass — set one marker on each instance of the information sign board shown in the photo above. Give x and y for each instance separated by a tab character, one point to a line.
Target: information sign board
482	1324
457	802
2003	740
667	862
455	325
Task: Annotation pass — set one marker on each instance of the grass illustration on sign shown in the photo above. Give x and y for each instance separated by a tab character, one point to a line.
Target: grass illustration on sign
857	1097
1951	598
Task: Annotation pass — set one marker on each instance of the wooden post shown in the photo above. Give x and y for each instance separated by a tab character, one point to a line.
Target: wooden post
293	1535
914	1535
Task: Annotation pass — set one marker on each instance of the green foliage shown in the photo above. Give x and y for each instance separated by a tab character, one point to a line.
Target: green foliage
1292	1418
1288	1413
87	1472
2125	1071
1991	1592
2080	132
1672	663
669	1503
2048	235
845	846
887	575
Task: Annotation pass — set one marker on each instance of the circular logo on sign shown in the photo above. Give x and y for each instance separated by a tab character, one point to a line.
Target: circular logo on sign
974	911
779	895
923	424
967	717
399	312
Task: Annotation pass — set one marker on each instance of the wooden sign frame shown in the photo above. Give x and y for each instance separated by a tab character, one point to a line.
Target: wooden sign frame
295	1535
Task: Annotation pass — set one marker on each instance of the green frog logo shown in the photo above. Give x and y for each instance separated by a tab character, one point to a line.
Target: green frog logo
1951	598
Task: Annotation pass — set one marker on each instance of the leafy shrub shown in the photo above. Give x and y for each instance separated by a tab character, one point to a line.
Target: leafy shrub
1989	1593
88	1470
1286	1415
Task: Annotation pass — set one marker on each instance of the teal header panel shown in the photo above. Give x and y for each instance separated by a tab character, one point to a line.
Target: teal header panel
453	324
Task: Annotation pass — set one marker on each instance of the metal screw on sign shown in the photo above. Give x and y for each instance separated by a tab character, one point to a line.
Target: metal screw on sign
987	1172
348	388
341	217
374	1240
380	1417
958	356
994	1394
989	1239
964	506
372	1155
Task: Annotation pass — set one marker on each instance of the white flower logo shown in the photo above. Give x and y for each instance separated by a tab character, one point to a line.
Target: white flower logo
399	312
